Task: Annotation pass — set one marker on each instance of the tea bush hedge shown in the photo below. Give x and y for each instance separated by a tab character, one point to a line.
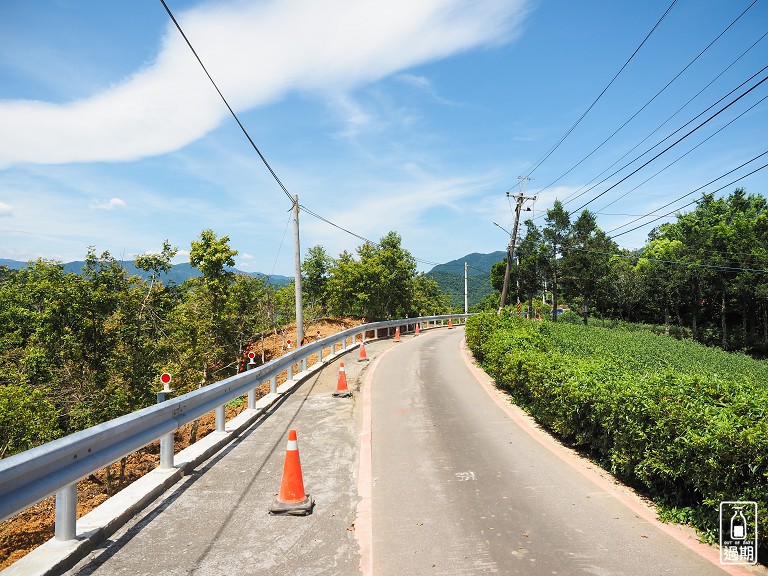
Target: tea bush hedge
684	423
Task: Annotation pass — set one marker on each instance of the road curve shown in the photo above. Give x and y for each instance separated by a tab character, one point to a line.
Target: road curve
458	486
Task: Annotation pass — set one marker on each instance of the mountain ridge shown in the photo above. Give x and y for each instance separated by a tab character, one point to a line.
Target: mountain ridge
450	277
479	264
177	274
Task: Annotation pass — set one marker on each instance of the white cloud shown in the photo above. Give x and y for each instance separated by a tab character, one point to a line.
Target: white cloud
182	256
256	53
6	210
110	204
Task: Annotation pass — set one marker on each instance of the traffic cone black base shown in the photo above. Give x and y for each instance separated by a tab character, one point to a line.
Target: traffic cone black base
303	508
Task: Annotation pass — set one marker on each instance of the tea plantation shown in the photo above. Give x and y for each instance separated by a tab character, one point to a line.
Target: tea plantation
683	423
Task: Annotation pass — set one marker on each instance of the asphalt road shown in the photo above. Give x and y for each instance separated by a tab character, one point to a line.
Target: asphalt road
460	487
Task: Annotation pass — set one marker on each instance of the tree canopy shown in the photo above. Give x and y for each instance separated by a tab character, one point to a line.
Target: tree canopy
79	349
703	275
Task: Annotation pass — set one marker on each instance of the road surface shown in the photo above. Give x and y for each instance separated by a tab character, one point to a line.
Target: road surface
460	487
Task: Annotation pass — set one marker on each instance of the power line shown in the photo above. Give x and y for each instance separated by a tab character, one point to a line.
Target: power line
579	192
572	128
723	109
644	106
688	194
689	204
371	242
612	202
231	111
285	230
674	262
358	236
263	159
700	114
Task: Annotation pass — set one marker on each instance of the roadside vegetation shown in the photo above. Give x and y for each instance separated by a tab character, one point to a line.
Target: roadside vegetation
702	276
683	423
79	349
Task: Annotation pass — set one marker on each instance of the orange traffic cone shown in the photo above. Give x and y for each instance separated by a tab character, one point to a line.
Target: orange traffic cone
417	329
341	387
450	323
292	499
397	334
363	356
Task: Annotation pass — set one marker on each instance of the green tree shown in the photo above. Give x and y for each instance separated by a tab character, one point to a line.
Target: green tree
624	289
427	298
377	286
212	256
586	261
531	263
27	419
556	231
314	280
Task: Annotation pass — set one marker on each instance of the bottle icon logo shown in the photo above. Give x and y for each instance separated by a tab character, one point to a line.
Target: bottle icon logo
738	524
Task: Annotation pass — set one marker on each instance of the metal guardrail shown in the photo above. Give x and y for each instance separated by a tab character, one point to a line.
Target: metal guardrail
55	467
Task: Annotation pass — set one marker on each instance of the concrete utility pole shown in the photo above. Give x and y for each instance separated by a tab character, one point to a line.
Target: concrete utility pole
297	270
519	199
466	300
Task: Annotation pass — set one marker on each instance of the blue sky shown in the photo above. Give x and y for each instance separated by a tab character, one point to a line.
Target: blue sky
409	116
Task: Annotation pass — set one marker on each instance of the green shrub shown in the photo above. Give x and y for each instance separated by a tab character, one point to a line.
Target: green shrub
685	423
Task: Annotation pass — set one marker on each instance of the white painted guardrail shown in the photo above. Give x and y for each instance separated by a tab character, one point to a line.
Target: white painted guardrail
55	467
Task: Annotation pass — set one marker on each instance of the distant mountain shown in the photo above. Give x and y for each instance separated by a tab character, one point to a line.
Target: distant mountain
450	277
177	274
478	264
12	264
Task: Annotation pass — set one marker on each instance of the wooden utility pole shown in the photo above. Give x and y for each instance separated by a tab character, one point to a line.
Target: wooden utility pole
519	199
297	271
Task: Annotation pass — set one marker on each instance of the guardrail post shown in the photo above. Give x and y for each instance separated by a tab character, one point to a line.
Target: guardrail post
344	344
167	441
166	451
221	418
252	399
320	356
273	384
290	372
66	512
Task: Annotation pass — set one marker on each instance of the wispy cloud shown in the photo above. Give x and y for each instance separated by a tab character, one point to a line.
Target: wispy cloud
395	205
110	204
353	117
425	85
6	210
321	47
